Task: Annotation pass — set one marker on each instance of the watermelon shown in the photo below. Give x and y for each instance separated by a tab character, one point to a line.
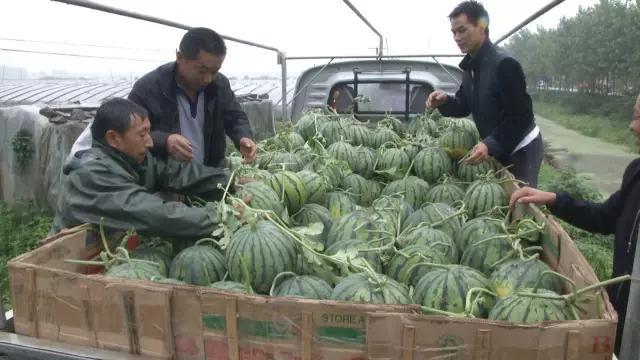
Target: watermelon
384	136
435	239
470	172
314	213
302	286
431	163
483	254
285	161
477	229
333	170
441	215
446	289
266	250
394	210
231	286
198	265
365	161
361	246
406	265
341	150
393	163
358	225
134	270
262	197
339	204
332	131
412	188
446	193
361	190
307	125
421	126
290	189
483	196
518	307
394	123
411	149
516	274
457	142
359	135
153	254
362	288
316	186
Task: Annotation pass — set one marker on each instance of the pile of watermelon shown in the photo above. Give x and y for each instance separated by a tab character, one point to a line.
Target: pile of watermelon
382	214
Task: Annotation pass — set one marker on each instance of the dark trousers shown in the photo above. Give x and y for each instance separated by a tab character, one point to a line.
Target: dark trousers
525	163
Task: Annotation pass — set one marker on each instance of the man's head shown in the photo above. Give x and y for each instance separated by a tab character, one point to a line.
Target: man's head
125	126
201	54
469	26
634	126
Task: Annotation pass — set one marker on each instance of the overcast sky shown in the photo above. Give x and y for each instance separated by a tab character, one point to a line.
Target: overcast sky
299	27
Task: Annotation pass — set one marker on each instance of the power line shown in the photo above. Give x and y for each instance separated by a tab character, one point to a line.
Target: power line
81	44
79	55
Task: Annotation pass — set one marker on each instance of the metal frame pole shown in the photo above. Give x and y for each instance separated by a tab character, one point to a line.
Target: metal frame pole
528	20
381	41
282	60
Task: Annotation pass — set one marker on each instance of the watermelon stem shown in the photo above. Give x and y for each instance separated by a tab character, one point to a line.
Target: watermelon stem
602	284
275	283
430	310
469	303
546	273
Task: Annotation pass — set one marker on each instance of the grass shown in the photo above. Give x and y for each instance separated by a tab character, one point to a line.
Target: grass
596	248
21	226
612	127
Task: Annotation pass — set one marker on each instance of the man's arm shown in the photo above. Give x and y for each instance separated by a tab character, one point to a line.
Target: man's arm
518	113
456	106
100	194
236	123
191	178
159	137
593	217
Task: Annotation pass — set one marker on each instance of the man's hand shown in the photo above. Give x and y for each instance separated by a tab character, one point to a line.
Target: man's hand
179	147
244	180
435	99
478	154
239	206
248	149
528	195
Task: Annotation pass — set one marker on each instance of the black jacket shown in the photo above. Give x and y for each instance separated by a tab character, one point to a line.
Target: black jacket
619	215
156	92
494	91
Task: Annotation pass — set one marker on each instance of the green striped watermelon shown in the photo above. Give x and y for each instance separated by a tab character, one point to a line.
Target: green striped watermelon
359	246
393	162
332	131
341	150
483	254
134	270
334	170
339	204
313	213
285	161
518	307
290	189
483	196
477	229
267	251
405	265
412	188
358	225
457	142
436	239
198	265
431	163
308	124
315	185
359	135
362	288
470	172
231	286
421	126
365	161
302	286
447	193
442	216
361	190
153	254
384	136
262	197
411	149
518	274
394	210
446	289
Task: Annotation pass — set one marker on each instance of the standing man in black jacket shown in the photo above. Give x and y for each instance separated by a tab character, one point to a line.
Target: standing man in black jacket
494	92
619	215
191	105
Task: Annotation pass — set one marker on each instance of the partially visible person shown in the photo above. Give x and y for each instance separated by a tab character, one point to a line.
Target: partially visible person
494	92
619	215
114	182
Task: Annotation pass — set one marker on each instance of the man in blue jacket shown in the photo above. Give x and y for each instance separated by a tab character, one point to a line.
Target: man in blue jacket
494	92
191	105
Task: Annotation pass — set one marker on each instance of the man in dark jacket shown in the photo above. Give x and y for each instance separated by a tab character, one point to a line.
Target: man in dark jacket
191	105
620	215
493	90
116	180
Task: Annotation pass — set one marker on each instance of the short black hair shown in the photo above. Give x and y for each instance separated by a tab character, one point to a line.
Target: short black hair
115	114
204	39
474	11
